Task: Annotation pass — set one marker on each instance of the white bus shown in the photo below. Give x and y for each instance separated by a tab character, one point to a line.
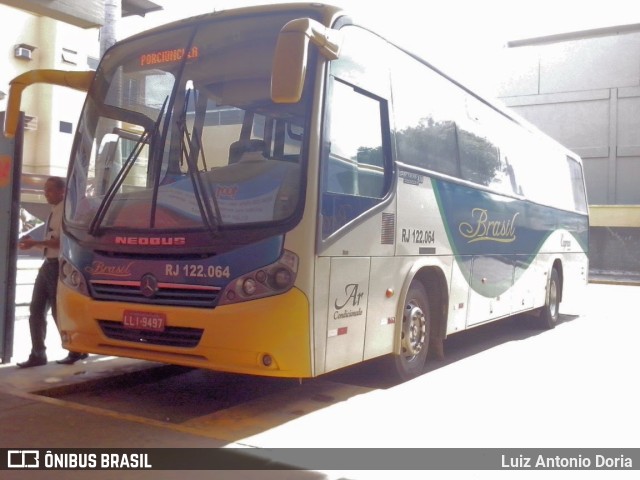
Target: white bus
279	191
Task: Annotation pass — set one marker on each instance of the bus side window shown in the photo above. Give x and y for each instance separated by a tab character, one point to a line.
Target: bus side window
354	177
577	183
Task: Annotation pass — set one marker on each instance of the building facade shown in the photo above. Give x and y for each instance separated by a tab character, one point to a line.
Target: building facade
32	42
583	89
61	35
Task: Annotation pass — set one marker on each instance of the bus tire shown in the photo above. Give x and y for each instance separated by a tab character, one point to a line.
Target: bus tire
416	329
550	313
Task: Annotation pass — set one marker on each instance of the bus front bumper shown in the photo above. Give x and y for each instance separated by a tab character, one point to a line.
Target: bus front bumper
269	336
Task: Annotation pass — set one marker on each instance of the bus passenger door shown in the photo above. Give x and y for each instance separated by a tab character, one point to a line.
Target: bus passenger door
356	213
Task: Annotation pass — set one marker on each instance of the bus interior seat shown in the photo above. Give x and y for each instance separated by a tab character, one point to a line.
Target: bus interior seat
241	147
248	162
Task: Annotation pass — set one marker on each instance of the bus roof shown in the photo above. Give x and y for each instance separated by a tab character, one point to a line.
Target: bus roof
324	13
327	15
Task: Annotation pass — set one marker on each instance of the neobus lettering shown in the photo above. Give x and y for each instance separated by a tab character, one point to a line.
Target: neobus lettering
151	241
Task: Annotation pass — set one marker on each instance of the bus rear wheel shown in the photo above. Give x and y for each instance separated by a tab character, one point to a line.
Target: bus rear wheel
416	329
550	313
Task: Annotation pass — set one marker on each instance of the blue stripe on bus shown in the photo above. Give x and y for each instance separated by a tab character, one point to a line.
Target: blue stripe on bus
208	270
499	233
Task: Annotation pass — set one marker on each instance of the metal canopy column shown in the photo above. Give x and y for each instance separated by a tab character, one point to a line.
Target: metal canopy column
10	170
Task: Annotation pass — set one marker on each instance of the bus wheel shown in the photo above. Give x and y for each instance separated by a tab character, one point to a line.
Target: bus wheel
551	311
416	328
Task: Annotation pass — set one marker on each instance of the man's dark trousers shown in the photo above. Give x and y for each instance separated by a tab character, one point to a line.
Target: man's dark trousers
43	299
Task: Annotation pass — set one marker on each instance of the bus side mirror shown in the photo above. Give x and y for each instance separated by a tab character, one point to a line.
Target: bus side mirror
291	56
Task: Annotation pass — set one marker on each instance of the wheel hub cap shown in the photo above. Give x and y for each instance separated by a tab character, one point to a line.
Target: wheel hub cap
415	329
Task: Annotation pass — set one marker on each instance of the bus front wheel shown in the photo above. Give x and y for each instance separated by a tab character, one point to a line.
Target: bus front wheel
550	313
416	328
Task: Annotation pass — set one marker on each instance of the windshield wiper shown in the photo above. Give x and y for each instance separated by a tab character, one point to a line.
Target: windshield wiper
145	138
190	148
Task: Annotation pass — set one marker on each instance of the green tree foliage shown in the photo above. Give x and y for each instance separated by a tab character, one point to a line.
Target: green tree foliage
441	146
370	156
479	158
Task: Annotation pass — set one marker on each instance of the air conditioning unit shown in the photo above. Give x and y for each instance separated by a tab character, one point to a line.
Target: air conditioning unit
24	53
30	122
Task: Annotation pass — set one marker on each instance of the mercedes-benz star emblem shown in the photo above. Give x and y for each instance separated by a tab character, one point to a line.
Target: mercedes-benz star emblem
149	285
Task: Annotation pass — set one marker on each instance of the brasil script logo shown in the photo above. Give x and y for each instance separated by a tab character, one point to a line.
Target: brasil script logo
483	228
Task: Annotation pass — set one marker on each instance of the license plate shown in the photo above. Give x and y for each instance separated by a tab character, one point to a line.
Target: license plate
144	320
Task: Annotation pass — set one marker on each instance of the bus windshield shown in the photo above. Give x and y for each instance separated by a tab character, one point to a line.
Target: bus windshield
179	132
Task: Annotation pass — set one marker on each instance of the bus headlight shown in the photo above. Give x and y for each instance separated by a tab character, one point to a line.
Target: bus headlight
249	286
282	278
71	277
270	280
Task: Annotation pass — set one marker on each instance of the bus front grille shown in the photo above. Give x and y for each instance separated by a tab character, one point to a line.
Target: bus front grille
167	294
170	336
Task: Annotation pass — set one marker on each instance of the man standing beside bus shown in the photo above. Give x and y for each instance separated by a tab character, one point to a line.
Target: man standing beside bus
45	286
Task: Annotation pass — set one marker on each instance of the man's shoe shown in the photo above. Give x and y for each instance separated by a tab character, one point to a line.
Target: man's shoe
72	358
33	361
